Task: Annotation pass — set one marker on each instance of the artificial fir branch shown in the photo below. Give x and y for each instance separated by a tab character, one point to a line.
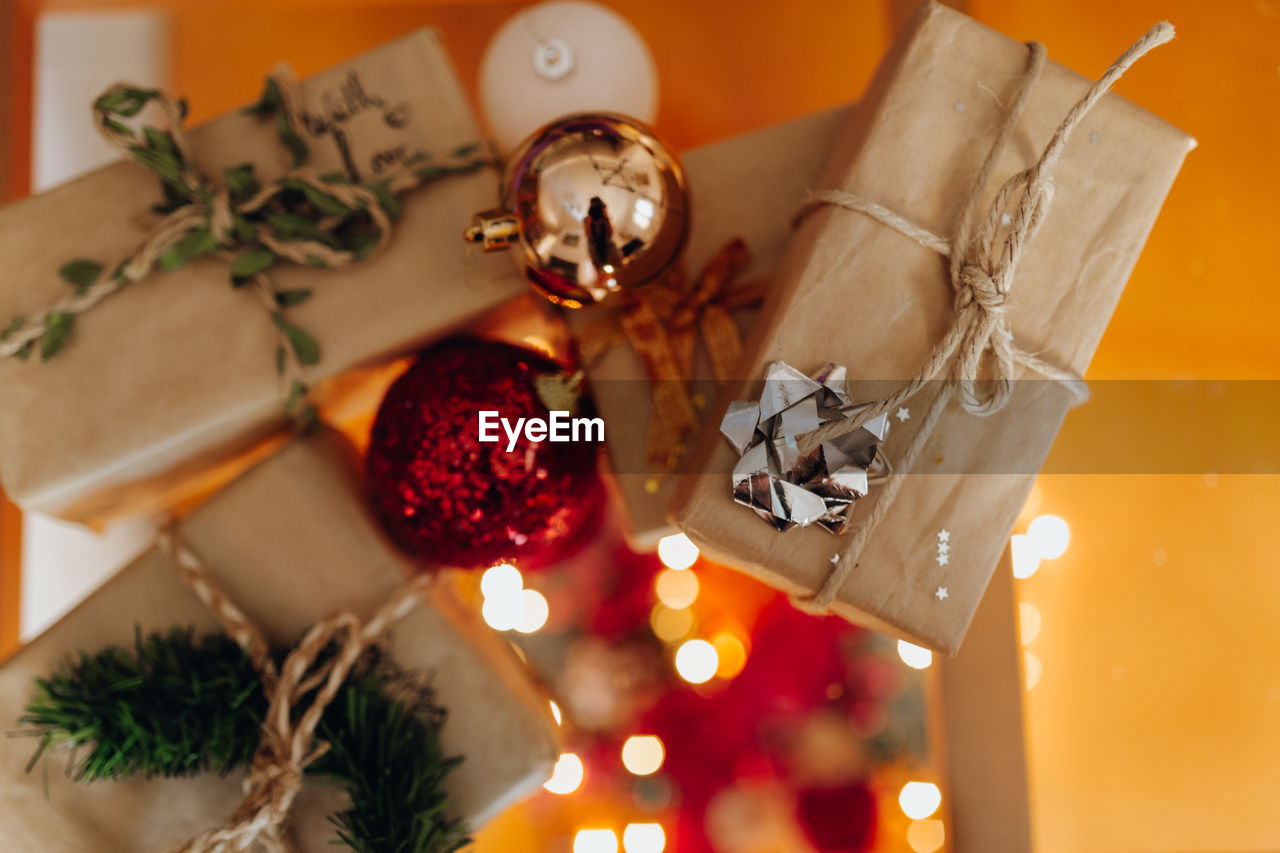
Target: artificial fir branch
176	706
391	762
172	707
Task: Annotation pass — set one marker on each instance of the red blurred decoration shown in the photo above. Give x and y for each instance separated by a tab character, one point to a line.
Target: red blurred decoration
840	819
448	498
782	682
626	595
798	664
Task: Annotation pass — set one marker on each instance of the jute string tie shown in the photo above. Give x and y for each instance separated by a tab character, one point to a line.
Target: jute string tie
983	266
210	206
288	743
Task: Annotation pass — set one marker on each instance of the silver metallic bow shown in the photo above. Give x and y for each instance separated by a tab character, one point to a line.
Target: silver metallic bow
782	486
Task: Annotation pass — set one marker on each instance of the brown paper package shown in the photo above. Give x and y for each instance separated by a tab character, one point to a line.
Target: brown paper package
178	370
747	187
290	542
854	292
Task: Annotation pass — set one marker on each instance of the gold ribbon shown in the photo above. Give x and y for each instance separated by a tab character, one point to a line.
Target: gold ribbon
662	324
288	742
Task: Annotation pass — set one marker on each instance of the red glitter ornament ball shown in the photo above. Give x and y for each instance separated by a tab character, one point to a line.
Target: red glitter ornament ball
449	498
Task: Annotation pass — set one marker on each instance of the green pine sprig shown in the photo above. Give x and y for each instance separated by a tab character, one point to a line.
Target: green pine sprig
378	752
170	707
176	705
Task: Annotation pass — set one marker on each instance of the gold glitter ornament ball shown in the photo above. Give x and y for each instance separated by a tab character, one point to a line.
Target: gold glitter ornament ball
594	204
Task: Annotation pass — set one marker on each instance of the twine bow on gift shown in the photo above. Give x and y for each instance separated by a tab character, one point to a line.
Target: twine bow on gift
982	272
320	662
304	217
663	325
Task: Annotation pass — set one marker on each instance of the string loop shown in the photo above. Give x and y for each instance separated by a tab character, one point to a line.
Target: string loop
298	691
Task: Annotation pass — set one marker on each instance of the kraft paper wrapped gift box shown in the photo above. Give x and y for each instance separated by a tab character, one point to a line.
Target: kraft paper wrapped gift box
747	187
855	292
171	374
290	542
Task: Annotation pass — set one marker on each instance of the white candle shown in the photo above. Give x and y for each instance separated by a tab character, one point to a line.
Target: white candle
557	58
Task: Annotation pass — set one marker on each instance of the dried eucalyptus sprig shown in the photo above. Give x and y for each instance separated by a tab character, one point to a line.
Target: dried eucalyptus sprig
303	217
175	706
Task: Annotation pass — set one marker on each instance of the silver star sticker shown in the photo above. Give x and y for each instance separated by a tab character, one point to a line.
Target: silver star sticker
835	558
943	559
959	105
944	547
904	413
1094	136
944	535
941	594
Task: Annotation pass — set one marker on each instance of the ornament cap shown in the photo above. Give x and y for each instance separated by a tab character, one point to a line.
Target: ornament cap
495	229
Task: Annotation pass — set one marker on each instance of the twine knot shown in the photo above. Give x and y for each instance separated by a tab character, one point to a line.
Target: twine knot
297	691
980	288
222	218
983	335
273	784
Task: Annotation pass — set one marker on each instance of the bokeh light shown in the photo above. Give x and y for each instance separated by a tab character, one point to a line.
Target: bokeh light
926	836
1028	622
1032	669
671	626
502	579
595	841
1050	535
642	755
1026	559
732	654
536	612
677	588
677	551
919	800
697	661
503	612
916	657
567	775
644	838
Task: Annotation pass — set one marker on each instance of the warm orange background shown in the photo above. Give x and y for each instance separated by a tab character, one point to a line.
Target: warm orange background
1156	725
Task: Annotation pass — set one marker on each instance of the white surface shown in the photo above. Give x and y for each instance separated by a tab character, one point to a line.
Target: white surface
77	56
63	562
613	70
